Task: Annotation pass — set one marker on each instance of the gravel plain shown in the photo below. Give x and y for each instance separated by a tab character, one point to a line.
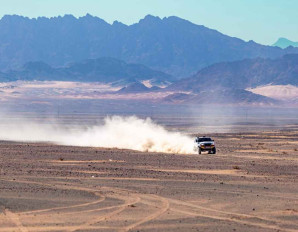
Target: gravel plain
249	185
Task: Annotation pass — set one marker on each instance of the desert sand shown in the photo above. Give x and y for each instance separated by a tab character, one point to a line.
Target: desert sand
249	185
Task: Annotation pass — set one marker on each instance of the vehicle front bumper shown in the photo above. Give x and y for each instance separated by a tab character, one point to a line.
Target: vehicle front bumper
206	148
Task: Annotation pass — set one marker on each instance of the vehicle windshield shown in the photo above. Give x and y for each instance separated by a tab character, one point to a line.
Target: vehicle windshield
204	140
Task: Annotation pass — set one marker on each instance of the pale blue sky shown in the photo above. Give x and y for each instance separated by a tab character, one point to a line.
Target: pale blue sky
263	21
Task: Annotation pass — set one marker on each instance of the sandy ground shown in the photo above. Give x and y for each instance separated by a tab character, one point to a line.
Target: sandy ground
250	185
70	90
280	92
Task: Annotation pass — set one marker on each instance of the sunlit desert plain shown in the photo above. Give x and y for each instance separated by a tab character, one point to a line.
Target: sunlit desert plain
249	185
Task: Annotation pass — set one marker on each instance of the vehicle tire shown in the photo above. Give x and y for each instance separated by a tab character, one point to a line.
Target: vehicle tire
214	150
209	152
200	151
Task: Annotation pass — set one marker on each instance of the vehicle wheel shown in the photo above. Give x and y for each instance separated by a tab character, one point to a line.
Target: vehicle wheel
214	150
200	151
209	152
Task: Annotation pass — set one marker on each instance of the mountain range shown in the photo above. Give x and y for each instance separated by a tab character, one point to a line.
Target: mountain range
225	82
222	96
284	43
233	82
171	45
103	70
242	74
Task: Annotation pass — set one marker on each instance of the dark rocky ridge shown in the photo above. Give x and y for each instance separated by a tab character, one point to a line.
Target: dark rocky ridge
243	74
104	70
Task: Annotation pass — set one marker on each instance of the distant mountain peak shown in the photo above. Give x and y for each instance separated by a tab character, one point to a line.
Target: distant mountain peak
66	18
150	19
89	16
285	43
13	18
176	19
136	87
69	16
252	42
119	24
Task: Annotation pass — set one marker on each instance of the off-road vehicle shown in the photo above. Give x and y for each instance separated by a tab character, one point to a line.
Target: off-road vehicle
205	144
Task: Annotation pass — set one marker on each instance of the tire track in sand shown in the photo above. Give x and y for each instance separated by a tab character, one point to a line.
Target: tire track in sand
228	216
102	198
105	216
164	207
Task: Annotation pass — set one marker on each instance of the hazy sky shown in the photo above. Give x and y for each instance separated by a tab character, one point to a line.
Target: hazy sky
263	21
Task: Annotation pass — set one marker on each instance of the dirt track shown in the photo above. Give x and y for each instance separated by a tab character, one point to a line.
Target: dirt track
250	185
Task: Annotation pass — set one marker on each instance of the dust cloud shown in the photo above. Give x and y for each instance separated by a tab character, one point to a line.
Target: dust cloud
115	132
